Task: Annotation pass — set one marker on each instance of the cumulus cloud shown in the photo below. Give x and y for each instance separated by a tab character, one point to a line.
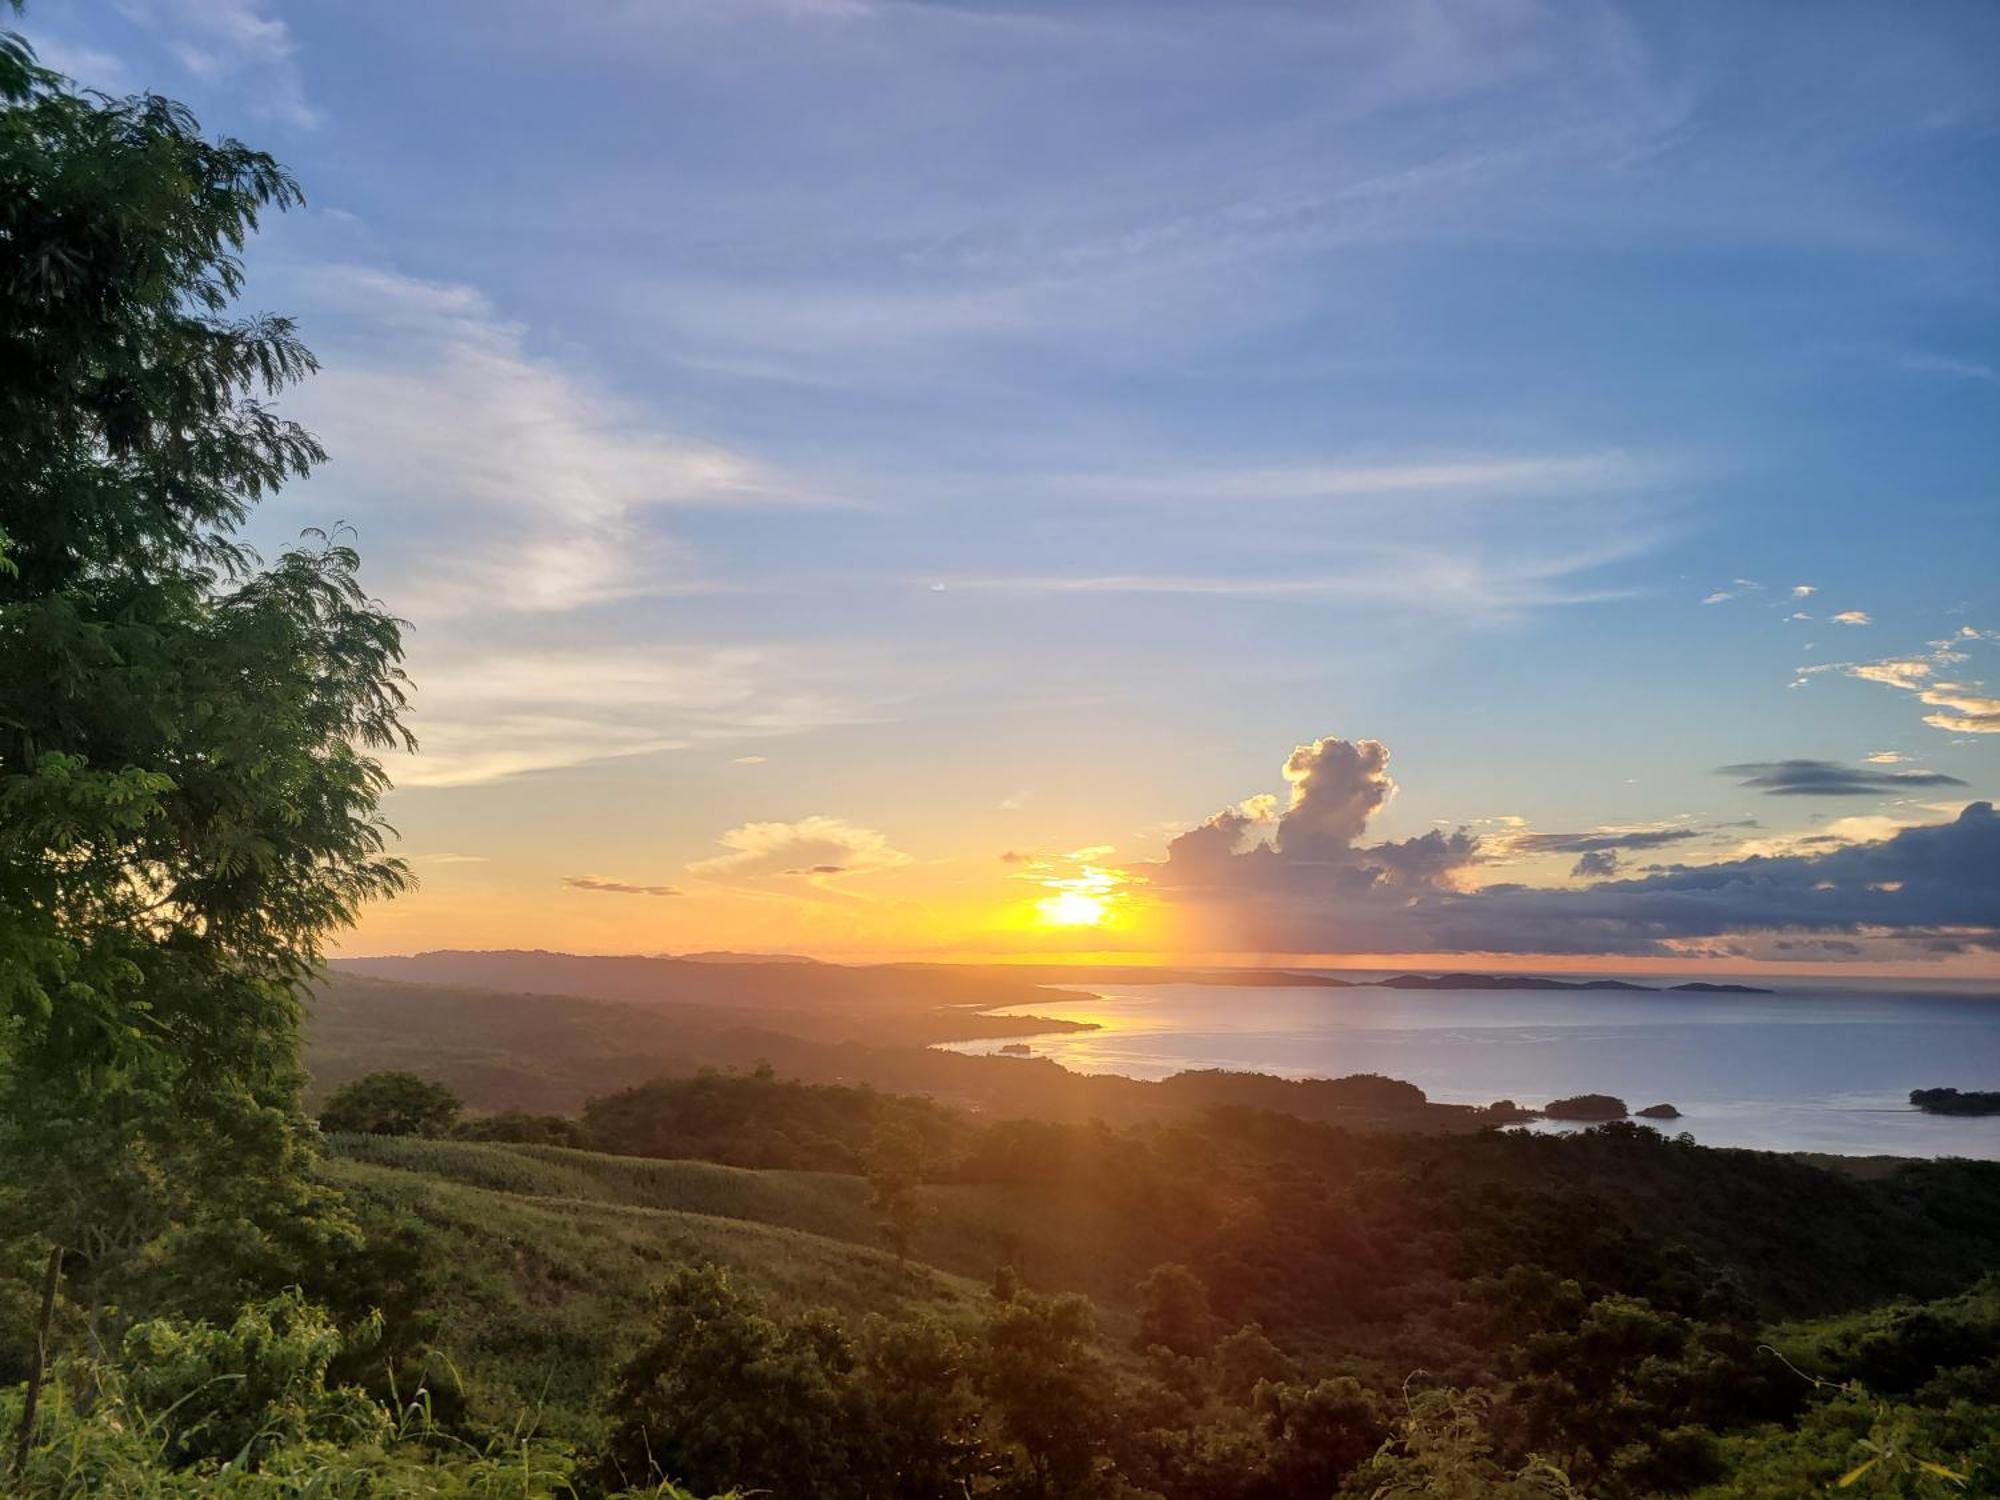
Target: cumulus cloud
1304	881
1853	617
1827	778
1336	786
616	887
811	851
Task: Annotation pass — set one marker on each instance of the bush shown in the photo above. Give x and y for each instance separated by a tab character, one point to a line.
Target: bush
391	1104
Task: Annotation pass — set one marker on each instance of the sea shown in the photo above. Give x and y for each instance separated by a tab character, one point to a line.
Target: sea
1814	1066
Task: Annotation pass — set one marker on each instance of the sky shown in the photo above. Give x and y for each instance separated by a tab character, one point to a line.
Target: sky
1278	480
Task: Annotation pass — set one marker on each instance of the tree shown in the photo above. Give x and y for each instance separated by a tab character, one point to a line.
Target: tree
723	1395
1173	1311
894	1162
188	789
391	1104
1047	1388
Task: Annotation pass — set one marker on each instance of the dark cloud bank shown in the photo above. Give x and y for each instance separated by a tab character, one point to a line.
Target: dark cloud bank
1300	879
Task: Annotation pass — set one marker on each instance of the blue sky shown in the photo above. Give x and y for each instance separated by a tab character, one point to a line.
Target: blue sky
1020	425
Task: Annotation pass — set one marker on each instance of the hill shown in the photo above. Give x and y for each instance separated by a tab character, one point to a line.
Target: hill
546	1053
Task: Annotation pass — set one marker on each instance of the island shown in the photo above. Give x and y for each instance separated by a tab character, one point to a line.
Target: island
1539	982
1587	1107
1659	1112
1502	982
1952	1102
1015	1049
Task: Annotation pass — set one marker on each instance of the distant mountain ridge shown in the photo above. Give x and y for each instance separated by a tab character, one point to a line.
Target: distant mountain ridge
793	981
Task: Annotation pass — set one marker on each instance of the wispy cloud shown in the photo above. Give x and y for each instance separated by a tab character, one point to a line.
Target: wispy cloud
511	482
484	713
1949	365
813	853
1476	478
238	42
616	887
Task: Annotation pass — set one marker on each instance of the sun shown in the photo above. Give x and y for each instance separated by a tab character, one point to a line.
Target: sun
1073	909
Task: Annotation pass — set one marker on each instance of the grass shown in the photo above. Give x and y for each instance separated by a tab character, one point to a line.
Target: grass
1057	1239
554	1252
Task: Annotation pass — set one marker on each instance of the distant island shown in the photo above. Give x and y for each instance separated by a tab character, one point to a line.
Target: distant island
1141	974
1659	1112
1952	1102
1537	982
1587	1107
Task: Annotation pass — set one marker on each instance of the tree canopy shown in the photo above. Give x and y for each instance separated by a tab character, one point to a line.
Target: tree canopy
188	781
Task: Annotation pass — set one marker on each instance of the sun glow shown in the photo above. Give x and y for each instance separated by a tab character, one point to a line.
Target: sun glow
1087	896
1073	909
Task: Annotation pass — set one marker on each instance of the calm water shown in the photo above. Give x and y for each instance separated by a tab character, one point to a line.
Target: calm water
1808	1069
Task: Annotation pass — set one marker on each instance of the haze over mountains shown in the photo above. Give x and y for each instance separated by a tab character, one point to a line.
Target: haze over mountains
760	981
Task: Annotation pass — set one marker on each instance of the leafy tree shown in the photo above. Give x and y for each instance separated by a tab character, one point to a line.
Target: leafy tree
894	1164
920	1412
1173	1311
1048	1389
188	794
1318	1432
721	1394
391	1104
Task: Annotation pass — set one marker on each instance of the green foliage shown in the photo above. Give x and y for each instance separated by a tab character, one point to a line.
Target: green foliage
722	1392
1046	1387
757	1120
893	1161
187	789
1173	1311
191	1410
233	1394
391	1104
519	1128
1442	1451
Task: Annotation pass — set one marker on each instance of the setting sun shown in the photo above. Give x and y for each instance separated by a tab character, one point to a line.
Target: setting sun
1073	909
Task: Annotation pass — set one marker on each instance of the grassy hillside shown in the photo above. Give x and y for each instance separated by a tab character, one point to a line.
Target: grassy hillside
1057	1235
552	1256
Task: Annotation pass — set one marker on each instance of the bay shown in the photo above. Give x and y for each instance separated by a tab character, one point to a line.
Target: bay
1813	1067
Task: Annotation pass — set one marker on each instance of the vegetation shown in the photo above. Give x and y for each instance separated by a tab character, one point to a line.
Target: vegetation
1587	1107
1213	1288
186	775
1953	1102
391	1104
